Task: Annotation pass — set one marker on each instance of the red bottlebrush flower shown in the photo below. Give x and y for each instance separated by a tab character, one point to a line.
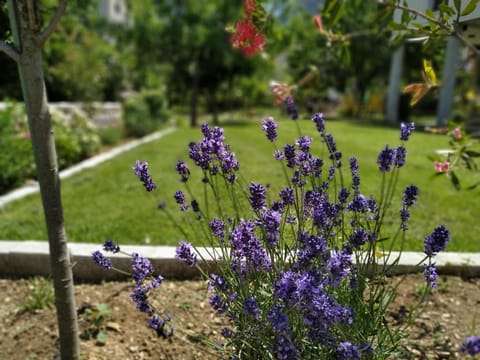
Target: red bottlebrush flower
249	7
317	20
247	38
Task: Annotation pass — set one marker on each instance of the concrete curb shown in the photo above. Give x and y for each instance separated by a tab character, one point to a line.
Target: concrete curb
86	164
28	258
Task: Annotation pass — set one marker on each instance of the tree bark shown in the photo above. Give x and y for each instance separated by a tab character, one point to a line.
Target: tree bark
24	17
194	94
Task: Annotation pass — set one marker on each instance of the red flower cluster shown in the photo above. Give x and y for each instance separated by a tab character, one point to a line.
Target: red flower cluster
246	36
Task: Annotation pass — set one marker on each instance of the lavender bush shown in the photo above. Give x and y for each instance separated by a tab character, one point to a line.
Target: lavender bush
300	274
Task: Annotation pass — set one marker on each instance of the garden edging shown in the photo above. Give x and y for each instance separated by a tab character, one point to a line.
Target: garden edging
28	258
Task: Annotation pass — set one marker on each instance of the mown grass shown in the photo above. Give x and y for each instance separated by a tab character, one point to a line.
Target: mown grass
109	201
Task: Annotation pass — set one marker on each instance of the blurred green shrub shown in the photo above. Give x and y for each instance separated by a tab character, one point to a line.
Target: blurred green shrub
75	137
111	135
16	161
145	112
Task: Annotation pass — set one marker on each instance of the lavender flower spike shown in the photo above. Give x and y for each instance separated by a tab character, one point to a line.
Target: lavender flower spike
109	245
471	346
270	127
184	252
436	241
141	170
101	260
406	130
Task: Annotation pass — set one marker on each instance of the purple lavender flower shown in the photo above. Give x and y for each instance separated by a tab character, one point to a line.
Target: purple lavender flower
101	260
297	179
250	307
179	197
319	121
406	130
386	158
430	275
284	288
291	107
354	170
217	303
270	221
141	170
229	162
258	194
183	170
343	195
218	228
312	247
400	155
331	172
111	246
289	152
324	215
304	143
359	237
278	155
471	345
278	319
348	351
140	297
217	282
195	206
339	265
156	322
404	217
162	327
332	148
227	333
248	253
437	240
410	195
184	252
287	195
141	267
270	127
359	203
285	349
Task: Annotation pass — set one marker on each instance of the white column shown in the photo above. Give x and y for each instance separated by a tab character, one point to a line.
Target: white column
393	96
445	99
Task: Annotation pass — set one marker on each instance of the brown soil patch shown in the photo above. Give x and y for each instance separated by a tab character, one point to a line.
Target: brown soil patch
450	314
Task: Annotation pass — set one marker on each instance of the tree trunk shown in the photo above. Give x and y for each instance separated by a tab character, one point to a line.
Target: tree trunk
214	106
194	96
25	28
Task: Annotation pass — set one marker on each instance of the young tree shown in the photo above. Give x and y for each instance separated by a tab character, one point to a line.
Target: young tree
29	39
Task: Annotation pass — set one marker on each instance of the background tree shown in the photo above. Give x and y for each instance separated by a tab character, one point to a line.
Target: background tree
29	37
188	43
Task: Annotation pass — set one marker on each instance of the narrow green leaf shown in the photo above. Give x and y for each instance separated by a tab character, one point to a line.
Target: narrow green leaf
471	187
469	8
457	3
472	153
337	13
455	180
446	10
430	13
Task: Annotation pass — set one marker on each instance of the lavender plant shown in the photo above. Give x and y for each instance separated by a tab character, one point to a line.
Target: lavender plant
300	274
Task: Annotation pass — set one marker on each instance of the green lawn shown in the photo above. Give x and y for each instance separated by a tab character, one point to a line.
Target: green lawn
109	201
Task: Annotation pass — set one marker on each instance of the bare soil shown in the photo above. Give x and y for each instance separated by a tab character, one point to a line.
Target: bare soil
450	314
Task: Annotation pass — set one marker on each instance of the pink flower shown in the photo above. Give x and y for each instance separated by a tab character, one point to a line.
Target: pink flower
247	38
442	167
457	133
